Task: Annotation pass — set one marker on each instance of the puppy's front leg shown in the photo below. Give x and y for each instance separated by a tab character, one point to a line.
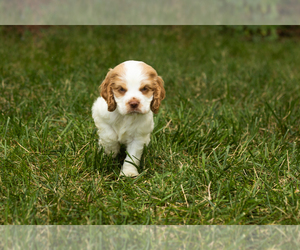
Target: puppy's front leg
108	139
134	150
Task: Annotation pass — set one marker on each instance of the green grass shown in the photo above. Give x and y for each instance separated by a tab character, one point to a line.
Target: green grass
225	148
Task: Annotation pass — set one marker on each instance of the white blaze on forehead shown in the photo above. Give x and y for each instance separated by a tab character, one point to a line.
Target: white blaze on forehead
134	73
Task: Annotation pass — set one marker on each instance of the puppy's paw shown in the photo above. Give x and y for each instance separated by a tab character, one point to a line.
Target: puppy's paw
129	170
109	149
113	153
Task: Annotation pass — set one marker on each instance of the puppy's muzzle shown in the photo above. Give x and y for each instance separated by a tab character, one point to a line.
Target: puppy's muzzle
134	103
133	106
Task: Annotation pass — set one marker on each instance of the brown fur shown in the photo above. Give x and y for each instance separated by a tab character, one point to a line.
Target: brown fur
148	92
111	83
106	88
117	88
107	93
157	86
158	95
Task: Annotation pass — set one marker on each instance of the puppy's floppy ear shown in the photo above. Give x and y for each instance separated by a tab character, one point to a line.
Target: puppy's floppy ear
107	93
158	95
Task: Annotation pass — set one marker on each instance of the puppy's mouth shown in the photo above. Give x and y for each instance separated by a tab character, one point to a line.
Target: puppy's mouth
135	111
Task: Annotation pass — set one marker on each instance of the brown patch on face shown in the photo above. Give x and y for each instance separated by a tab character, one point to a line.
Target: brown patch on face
111	83
156	87
146	89
149	71
119	88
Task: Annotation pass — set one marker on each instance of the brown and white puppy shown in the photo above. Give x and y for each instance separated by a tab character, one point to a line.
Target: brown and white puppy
130	94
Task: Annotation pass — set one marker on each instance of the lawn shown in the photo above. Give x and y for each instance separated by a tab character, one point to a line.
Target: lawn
224	150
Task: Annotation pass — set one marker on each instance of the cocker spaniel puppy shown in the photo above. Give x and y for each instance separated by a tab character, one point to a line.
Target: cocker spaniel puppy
130	94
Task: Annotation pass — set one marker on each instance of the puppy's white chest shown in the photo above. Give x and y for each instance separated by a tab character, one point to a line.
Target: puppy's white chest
124	132
133	127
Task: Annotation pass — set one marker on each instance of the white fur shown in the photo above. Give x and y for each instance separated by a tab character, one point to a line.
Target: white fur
133	76
124	126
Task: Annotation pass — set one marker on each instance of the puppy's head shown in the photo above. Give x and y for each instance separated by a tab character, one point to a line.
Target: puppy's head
133	87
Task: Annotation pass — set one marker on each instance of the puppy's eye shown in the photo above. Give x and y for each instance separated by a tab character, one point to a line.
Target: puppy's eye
144	89
122	90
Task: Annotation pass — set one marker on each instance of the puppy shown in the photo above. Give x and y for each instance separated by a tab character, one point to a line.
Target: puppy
130	94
